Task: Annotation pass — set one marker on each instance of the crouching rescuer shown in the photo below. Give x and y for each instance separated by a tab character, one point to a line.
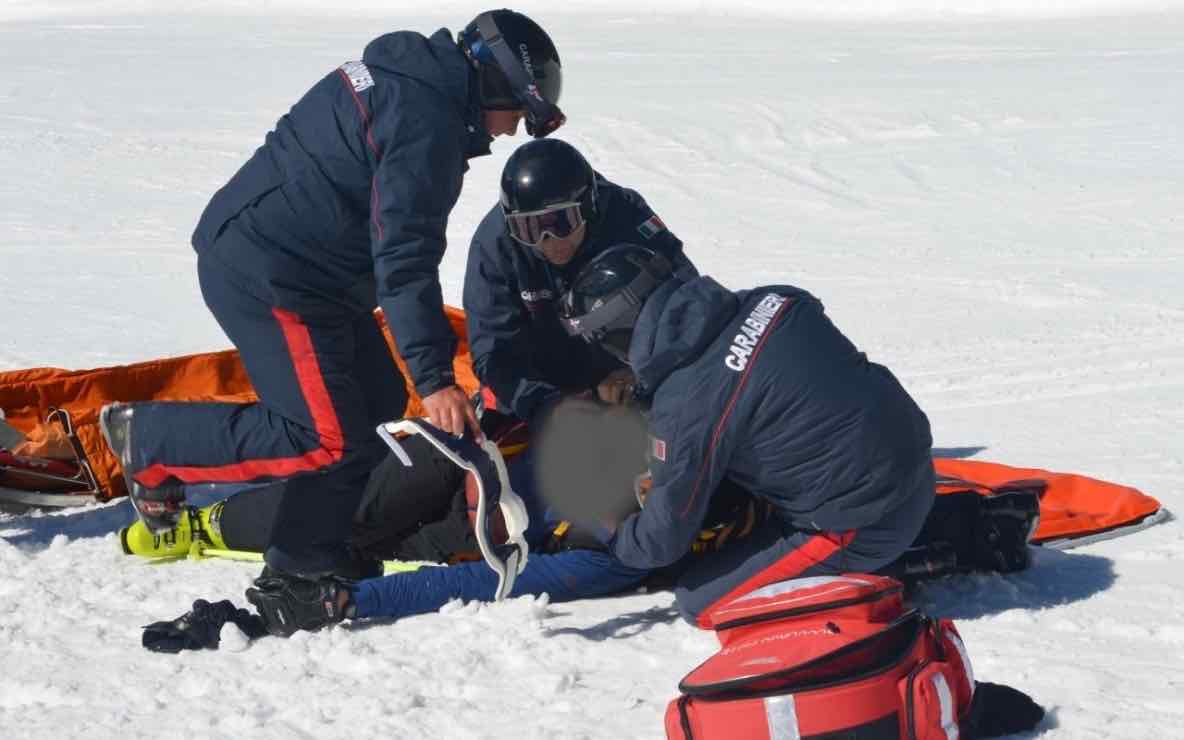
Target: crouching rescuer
759	389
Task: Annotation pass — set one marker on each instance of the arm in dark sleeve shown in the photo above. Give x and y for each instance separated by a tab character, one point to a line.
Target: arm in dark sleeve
417	180
696	461
565	576
499	329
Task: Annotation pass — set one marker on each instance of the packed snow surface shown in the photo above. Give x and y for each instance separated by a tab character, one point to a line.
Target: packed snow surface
986	195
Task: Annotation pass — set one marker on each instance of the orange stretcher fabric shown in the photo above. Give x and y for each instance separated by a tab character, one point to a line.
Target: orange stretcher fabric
27	396
1071	506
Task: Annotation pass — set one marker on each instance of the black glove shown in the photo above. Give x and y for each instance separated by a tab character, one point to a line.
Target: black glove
1000	710
200	628
288	604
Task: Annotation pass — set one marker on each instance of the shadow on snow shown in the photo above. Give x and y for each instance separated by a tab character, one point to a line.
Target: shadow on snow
1055	578
37	529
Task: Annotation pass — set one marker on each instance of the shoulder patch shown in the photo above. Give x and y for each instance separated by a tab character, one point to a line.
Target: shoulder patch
359	75
651	227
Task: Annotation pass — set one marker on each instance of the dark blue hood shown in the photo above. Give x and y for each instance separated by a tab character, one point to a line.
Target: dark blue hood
437	62
676	324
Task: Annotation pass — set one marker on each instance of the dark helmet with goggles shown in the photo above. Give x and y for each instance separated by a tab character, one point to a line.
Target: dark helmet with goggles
517	67
606	297
547	189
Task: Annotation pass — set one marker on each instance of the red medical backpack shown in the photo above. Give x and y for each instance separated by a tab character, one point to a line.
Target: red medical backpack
834	656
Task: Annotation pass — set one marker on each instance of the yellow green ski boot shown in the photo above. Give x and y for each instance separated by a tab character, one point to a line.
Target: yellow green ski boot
195	526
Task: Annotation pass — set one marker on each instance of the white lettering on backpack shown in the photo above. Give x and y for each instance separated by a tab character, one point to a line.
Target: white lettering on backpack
359	75
811	633
751	331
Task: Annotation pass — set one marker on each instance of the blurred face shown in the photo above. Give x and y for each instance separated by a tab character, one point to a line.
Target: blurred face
561	251
503	122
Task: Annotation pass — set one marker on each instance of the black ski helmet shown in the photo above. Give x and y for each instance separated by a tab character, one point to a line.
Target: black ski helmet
517	67
606	297
545	173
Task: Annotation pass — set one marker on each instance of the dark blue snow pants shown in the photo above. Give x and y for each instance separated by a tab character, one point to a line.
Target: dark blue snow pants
777	551
325	379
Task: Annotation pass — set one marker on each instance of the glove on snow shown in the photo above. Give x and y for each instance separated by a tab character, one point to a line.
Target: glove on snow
200	627
288	604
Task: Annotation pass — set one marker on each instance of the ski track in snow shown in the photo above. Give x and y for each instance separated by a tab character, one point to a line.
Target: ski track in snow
989	206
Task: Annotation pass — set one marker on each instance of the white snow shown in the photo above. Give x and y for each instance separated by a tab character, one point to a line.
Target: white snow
987	196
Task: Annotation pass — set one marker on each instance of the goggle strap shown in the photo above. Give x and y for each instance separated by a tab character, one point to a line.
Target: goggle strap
546	209
606	317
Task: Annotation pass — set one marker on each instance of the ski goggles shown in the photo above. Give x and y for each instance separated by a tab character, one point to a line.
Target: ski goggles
610	325
532	227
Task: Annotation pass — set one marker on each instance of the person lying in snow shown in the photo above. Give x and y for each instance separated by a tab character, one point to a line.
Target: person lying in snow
422	513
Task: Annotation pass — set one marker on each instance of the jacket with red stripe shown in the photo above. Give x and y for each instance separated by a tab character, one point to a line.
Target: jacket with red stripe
345	205
785	406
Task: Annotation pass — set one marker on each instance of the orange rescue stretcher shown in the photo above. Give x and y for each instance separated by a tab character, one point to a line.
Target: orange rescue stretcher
62	459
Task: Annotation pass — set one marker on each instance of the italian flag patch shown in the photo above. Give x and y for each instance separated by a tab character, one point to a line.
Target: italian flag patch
651	226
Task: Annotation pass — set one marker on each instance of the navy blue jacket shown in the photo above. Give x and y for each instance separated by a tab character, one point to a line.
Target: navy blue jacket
345	205
785	406
520	350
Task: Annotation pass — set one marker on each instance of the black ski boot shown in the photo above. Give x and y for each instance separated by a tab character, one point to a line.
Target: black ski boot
1006	523
159	508
967	531
288	604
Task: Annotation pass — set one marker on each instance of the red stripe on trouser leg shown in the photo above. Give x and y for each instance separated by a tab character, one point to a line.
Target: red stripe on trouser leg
791	565
320	407
312	382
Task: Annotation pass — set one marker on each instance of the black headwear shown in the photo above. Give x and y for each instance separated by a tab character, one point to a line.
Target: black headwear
517	66
607	295
547	187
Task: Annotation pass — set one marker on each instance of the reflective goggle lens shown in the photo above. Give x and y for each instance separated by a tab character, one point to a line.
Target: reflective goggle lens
557	222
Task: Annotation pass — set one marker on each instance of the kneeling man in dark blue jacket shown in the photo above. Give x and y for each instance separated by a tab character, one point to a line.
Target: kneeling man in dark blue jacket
759	388
343	209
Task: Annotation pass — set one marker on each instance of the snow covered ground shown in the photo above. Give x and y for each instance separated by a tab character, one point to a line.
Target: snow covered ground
986	196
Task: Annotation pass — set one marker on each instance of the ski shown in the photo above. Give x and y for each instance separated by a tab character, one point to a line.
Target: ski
200	551
21	499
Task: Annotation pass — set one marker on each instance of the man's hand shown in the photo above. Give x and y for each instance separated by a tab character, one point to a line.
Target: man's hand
449	410
617	388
